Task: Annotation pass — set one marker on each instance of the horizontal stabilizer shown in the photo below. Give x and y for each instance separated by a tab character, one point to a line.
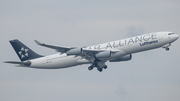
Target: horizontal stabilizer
28	63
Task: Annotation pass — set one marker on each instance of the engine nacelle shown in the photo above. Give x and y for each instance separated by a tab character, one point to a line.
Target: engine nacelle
75	51
104	54
124	58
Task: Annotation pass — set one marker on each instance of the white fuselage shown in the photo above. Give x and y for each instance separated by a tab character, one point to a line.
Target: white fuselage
123	47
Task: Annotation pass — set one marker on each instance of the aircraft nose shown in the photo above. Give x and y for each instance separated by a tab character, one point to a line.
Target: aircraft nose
177	36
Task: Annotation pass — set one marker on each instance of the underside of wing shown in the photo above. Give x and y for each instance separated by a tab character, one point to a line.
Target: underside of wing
86	53
91	52
57	48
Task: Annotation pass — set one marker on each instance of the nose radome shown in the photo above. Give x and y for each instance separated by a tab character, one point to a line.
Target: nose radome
177	36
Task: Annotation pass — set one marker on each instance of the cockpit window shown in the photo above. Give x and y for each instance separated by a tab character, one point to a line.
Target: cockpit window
170	33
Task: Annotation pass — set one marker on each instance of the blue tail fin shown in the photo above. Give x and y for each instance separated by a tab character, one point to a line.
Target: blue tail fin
24	53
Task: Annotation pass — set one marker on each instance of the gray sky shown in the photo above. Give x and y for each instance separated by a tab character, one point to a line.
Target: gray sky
150	76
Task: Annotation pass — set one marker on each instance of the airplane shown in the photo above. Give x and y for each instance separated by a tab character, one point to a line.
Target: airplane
96	55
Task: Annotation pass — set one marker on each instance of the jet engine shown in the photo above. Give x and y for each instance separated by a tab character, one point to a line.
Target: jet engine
104	54
74	51
123	58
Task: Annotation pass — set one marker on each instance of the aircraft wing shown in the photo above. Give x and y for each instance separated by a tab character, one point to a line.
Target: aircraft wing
93	52
86	52
57	48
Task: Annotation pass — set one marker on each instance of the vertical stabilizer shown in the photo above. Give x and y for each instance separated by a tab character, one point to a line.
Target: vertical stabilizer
24	53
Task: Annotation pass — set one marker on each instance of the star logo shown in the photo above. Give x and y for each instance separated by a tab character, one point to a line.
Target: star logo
23	53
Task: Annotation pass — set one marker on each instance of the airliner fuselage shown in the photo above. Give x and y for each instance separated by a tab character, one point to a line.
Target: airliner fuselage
97	55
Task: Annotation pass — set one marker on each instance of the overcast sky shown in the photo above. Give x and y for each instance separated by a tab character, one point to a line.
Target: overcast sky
150	76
